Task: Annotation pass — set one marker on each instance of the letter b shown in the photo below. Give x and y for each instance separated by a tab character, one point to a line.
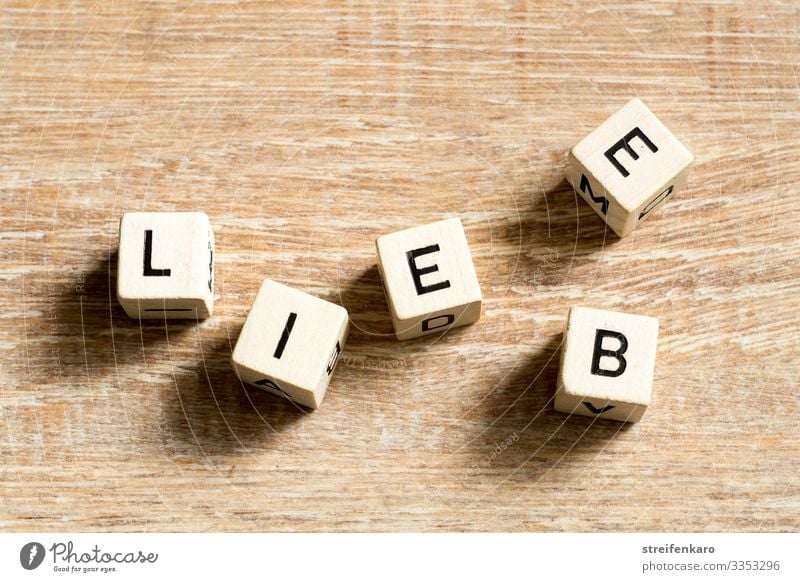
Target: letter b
599	352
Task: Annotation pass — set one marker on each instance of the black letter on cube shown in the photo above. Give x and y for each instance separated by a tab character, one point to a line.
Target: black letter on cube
623	144
285	336
448	319
599	352
586	187
655	202
416	272
149	271
334	358
267	383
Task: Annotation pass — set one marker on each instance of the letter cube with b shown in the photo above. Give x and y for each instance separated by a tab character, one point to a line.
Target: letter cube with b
429	278
628	166
607	364
166	265
290	343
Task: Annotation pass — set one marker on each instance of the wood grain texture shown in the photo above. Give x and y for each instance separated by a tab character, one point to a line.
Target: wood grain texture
307	129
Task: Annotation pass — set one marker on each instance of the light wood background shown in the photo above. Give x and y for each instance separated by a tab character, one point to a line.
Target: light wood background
305	130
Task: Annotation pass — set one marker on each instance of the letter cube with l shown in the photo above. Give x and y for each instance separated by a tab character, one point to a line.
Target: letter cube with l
290	343
607	364
166	265
628	166
429	278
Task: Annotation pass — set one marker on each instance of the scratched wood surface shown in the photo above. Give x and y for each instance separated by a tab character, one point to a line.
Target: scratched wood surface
307	129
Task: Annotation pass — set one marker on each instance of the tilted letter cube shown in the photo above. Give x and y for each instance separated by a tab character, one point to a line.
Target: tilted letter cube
166	265
429	278
290	343
628	166
607	364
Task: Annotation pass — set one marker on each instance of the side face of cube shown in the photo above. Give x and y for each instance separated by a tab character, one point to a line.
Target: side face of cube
290	343
628	167
429	278
166	265
607	364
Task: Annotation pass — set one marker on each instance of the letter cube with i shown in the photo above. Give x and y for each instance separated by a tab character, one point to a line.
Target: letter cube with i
290	343
166	265
607	364
628	166
429	278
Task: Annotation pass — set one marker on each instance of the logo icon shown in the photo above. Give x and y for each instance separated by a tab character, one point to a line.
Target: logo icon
31	555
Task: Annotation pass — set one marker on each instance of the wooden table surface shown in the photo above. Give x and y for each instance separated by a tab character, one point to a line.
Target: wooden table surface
307	129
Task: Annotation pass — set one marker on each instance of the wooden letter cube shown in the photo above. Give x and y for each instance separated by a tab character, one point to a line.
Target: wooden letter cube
166	265
290	343
628	166
429	278
607	364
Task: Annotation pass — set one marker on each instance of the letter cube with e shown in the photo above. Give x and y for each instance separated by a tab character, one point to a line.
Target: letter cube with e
166	265
607	364
429	278
290	343
628	166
